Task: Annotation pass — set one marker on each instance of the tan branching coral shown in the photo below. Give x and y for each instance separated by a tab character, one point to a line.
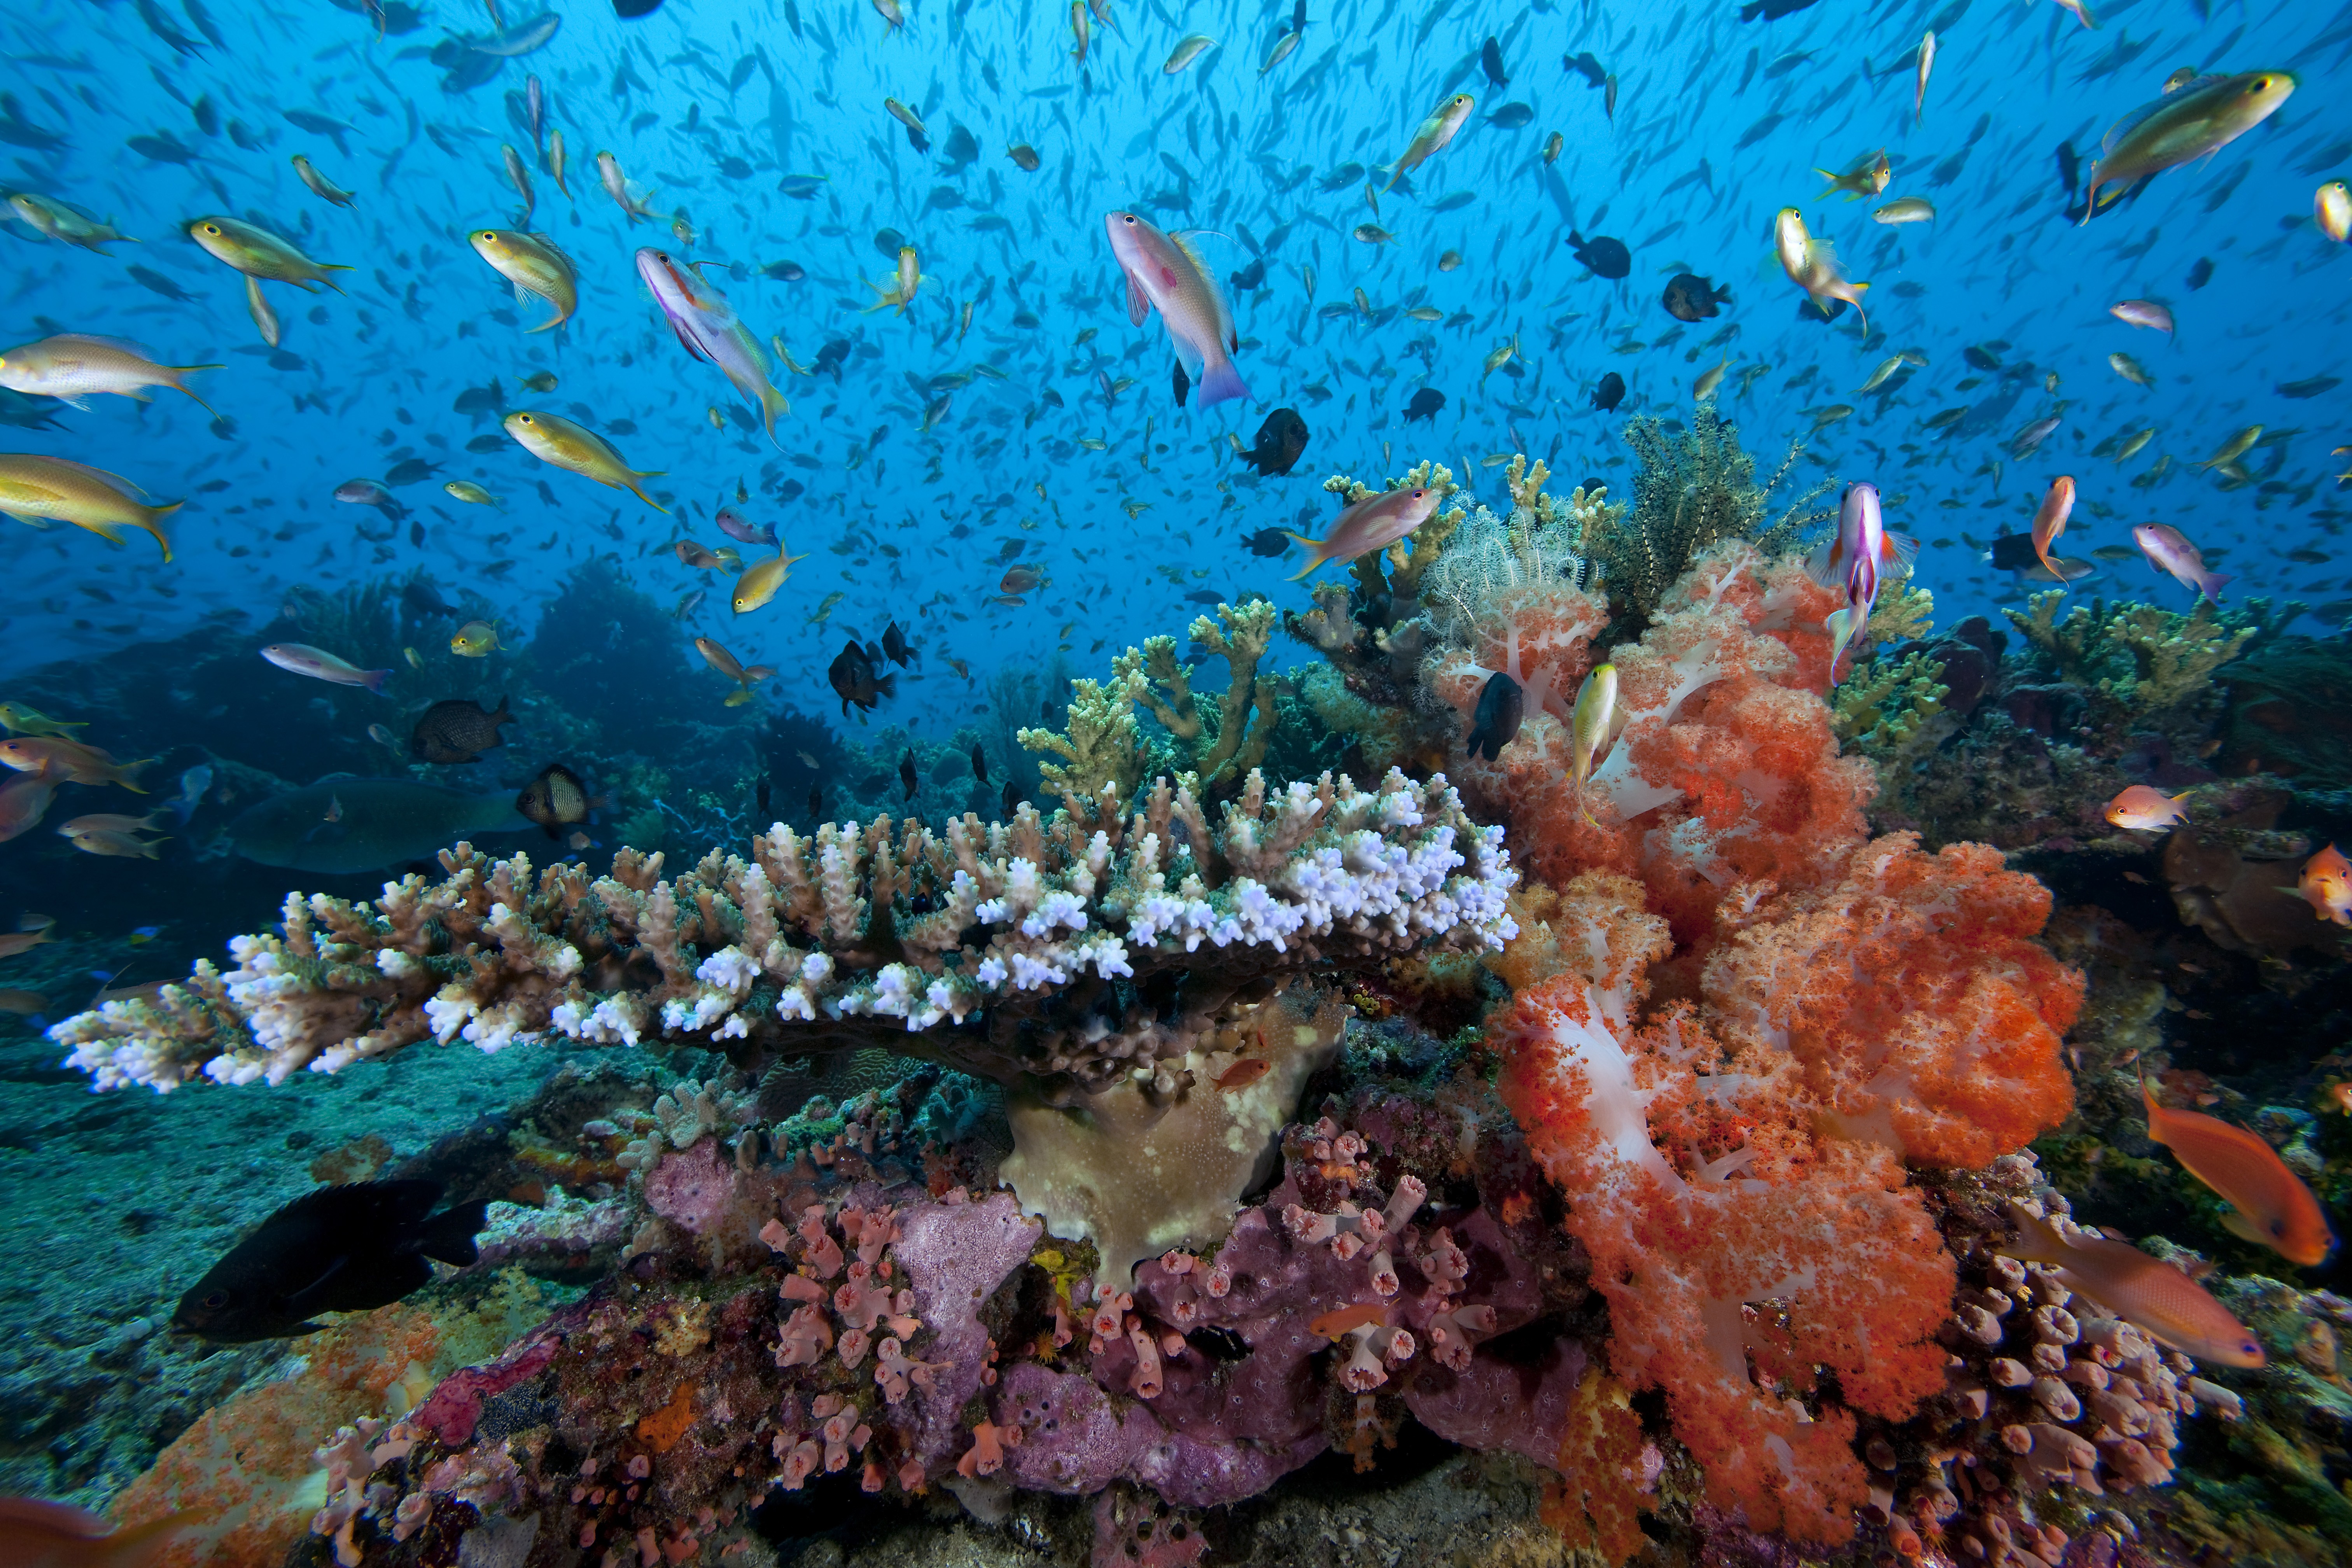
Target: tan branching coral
971	945
2131	659
1887	709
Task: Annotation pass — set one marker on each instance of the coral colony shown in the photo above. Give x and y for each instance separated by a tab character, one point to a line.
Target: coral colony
1699	1200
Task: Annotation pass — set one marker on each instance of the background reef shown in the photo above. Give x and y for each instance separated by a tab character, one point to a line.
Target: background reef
1368	1137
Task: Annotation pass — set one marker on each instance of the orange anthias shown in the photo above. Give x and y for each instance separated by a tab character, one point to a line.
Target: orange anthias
2272	1205
2327	881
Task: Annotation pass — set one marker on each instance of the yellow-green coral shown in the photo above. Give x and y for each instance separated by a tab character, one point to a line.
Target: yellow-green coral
1902	613
1410	556
1101	747
1887	709
1221	743
2134	657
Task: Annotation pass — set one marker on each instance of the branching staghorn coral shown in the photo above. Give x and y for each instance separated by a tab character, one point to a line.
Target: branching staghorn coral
2136	657
1100	751
971	946
1224	744
1887	709
1692	491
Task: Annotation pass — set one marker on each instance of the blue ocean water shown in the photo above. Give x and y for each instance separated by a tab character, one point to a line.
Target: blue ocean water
763	128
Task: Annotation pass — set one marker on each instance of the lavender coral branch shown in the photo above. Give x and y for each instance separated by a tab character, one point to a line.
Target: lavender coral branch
1018	951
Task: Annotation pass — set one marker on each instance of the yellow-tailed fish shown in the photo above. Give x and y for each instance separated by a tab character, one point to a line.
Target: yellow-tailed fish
630	197
1878	377
519	177
555	162
475	639
325	189
57	221
1812	265
2131	447
74	366
556	440
1187	50
257	253
1709	380
1926	66
1436	131
1163	273
1282	49
265	316
762	579
472	494
1081	31
1867	178
707	326
537	268
2130	369
2200	117
910	277
1598	719
2331	208
2236	447
1906	209
1552	145
37	487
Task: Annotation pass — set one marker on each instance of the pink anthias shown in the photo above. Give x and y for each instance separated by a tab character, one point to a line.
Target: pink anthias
1163	273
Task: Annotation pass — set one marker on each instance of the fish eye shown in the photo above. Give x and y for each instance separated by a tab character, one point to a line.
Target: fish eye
216	1301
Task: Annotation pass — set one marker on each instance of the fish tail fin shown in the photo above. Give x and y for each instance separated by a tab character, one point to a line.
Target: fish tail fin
127	775
155	515
2211	586
888	685
1221	381
1317	558
449	1235
640	490
1840	627
773	407
375	680
334	267
148	846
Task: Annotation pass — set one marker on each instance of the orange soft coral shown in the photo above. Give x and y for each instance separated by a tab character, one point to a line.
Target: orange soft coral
1801	1253
1912	996
1727	769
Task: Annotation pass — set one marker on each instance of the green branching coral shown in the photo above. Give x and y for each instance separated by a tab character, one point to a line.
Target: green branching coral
1369	631
1693	490
1101	750
2131	659
1104	748
1902	613
1223	744
1888	710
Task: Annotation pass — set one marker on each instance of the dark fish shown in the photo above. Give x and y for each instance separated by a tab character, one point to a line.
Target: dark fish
1691	297
2199	275
1594	72
1610	393
1773	10
30	411
762	797
1204	596
1501	705
630	10
784	271
157	283
339	1249
416	533
1424	405
319	125
1490	61
489	444
1184	384
1268	541
1248	278
410	471
1607	257
962	148
853	679
458	731
162	148
979	762
830	356
556	799
896	646
2070	168
480	400
207	118
2015	552
1980	358
1011	797
906	772
1511	116
19	132
816	803
1280	440
2312	387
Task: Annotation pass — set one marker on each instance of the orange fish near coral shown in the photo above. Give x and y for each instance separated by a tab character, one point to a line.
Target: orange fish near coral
2272	1206
2327	881
2143	806
2049	521
2143	1291
36	1534
1372	523
1339	1320
70	761
1244	1073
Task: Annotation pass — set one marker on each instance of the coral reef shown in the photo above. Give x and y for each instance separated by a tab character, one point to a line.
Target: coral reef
970	944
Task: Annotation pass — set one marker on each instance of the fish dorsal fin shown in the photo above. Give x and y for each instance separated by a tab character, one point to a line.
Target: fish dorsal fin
2171	96
85	468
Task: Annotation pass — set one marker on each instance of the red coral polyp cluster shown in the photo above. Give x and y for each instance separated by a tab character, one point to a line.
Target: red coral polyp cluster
1735	1169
